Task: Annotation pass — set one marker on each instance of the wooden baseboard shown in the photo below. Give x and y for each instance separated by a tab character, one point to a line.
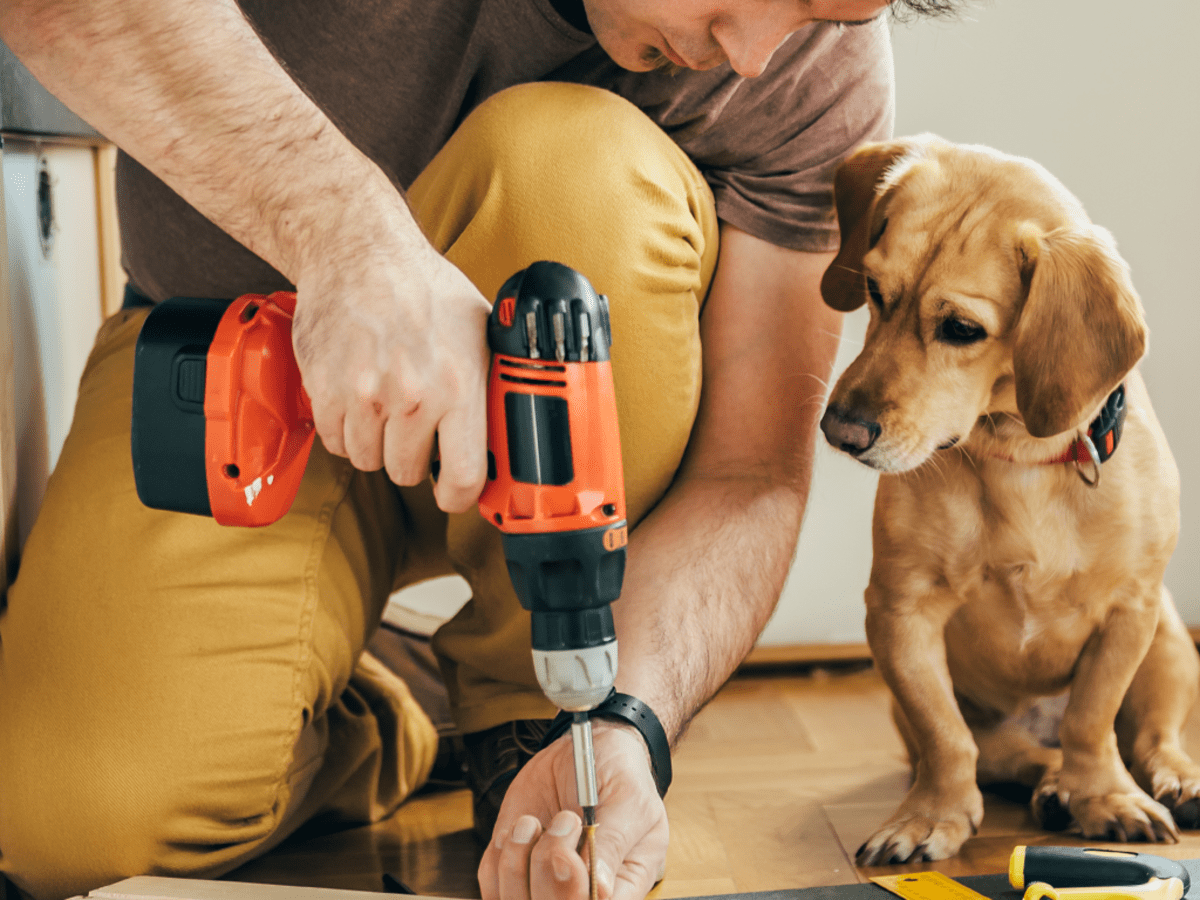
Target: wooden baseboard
805	655
780	655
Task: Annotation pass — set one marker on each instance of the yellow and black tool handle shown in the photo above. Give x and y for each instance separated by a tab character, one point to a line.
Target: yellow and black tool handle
1072	867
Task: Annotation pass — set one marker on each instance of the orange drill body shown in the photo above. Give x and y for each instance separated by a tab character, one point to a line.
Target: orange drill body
593	495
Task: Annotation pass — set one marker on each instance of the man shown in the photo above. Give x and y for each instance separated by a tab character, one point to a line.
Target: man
178	697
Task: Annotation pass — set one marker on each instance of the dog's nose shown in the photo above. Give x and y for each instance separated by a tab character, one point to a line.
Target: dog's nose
848	432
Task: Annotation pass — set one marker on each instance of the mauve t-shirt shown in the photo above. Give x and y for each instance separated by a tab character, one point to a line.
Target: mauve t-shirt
398	76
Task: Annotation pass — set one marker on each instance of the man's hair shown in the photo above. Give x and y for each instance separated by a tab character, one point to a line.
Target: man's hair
908	9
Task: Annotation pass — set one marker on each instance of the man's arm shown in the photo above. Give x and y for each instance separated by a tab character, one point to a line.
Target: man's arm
704	572
388	334
706	567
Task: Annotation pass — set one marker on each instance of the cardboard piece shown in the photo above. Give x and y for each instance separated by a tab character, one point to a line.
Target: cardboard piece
144	887
147	887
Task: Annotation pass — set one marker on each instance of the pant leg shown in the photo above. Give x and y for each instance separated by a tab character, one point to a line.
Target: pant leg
177	696
580	176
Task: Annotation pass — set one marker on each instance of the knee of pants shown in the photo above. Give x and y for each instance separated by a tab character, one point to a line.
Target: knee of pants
572	169
579	175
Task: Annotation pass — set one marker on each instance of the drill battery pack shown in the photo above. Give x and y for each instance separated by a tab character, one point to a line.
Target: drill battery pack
221	425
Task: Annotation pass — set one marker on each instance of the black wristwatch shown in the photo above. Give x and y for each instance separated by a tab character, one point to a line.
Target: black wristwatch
632	710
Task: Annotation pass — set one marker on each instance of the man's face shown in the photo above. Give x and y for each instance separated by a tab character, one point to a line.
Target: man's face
641	35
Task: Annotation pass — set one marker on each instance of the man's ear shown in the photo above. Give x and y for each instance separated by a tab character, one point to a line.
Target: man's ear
843	285
1081	329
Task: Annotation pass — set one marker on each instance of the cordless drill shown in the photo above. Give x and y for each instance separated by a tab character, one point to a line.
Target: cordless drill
556	489
222	427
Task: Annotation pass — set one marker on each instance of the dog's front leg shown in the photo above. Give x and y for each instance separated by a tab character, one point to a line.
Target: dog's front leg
944	806
1094	784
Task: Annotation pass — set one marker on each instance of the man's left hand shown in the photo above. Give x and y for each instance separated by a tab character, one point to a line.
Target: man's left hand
534	850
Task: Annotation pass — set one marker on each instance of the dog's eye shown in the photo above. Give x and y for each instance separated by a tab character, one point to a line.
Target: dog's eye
873	290
877	233
959	332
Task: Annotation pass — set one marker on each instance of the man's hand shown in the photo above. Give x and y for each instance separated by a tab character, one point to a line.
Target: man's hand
393	352
534	854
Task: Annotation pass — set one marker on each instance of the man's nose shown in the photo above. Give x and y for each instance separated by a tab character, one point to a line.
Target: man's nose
749	48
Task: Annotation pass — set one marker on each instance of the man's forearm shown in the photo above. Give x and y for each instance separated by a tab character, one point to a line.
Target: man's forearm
706	567
187	88
705	571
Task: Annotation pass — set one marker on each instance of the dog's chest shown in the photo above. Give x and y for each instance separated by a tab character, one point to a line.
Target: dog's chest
1027	581
1025	537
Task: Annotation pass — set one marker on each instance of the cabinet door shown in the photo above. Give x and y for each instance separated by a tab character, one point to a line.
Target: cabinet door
8	441
54	300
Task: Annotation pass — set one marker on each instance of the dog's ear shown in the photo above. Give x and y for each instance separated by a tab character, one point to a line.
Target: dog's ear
843	285
1081	329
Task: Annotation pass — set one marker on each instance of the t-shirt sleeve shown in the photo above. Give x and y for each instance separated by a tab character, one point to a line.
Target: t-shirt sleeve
832	89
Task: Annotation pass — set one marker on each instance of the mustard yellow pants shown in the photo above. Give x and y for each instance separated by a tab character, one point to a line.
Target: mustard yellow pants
176	697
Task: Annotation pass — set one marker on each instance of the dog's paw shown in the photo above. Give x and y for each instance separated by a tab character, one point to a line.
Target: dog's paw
1050	811
916	838
1124	817
1186	813
1174	781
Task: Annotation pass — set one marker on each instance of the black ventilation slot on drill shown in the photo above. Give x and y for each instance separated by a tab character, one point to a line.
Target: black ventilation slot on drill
544	382
539	439
537	366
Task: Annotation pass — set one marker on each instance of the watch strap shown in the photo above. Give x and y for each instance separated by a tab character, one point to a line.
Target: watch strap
626	708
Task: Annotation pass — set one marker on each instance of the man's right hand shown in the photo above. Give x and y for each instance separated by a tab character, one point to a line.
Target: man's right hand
393	352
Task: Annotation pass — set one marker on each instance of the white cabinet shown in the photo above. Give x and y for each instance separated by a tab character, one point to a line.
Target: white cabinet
57	259
54	299
8	444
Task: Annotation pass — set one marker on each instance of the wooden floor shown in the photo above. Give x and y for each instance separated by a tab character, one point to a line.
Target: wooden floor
777	783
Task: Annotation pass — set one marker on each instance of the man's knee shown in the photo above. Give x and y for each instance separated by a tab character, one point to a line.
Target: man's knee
554	130
570	163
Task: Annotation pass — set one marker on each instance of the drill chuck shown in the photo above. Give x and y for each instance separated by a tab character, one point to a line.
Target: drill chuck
577	680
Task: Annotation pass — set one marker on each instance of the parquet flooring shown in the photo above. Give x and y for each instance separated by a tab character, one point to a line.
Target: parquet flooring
779	780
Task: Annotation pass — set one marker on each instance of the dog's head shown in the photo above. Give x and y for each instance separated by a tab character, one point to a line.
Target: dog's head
991	295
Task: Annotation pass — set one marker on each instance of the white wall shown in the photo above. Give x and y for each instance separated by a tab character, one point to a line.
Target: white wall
1106	95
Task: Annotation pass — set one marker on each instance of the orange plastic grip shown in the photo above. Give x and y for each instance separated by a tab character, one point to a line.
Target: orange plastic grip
259	428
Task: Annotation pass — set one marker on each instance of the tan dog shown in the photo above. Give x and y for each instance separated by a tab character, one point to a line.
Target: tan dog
1002	322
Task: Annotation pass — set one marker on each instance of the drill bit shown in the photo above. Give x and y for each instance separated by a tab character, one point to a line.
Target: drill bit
585	785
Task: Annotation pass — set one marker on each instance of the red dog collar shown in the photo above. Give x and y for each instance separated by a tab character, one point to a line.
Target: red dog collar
1104	432
1098	444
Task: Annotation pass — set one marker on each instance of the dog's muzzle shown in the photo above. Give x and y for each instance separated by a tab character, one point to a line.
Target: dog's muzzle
849	432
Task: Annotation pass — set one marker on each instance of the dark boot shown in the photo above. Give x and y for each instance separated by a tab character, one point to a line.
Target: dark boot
493	759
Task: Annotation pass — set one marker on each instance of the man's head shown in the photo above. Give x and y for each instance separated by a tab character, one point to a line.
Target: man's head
642	35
